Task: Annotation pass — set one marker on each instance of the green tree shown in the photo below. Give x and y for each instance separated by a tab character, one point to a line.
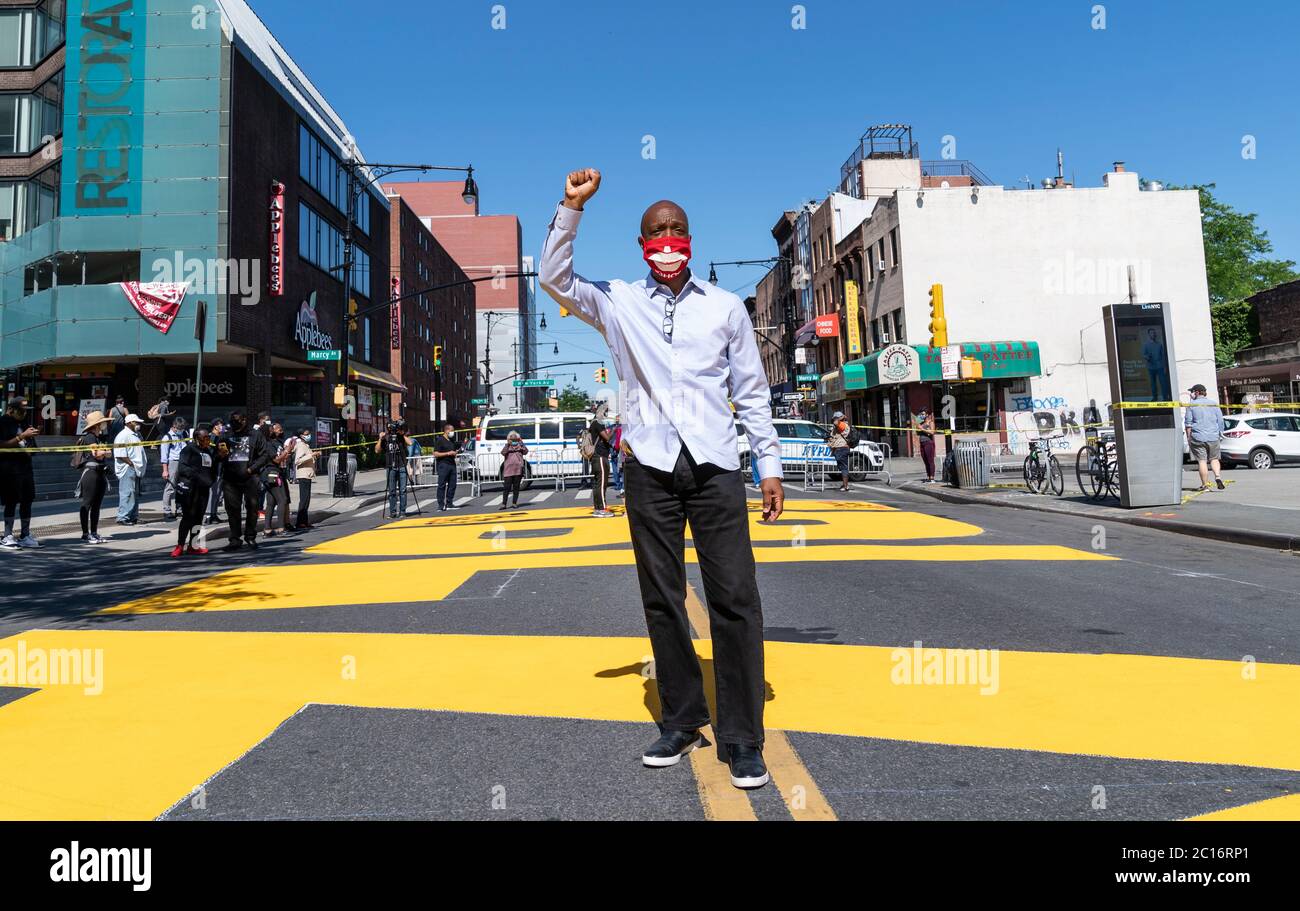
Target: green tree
573	398
1235	268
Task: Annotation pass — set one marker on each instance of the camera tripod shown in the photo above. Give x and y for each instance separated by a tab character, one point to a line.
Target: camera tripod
388	493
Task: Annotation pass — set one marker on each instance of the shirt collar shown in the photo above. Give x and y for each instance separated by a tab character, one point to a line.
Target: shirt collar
656	287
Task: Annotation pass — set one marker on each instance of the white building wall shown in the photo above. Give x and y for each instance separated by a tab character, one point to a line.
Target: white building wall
1039	265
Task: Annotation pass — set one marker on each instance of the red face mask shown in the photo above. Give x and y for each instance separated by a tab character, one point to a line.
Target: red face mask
666	256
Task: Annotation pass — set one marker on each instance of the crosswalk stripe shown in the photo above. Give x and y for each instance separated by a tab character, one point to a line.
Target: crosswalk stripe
371	511
583	494
542	497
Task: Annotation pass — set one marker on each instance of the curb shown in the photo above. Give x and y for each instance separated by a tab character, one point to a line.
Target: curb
1273	540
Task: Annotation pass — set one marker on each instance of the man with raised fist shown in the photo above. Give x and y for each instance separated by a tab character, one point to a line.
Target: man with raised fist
683	350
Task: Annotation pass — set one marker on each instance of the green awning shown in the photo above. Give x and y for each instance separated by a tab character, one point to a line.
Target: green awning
923	364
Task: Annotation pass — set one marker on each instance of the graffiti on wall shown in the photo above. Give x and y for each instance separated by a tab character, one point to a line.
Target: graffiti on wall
1048	417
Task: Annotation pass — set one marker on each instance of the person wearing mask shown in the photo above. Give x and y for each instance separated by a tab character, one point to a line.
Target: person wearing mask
129	465
923	424
685	353
446	449
512	469
263	427
395	446
600	435
275	480
214	497
17	477
170	454
243	454
838	442
1203	420
92	463
117	417
194	476
304	470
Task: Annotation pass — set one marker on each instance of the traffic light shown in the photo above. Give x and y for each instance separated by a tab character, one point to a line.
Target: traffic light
601	375
437	356
938	325
971	369
352	313
563	312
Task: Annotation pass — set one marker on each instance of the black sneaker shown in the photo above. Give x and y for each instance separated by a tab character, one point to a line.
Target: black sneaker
251	542
1218	482
670	748
747	767
236	544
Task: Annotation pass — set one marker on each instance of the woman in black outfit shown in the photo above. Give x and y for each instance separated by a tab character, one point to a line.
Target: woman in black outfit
93	482
195	475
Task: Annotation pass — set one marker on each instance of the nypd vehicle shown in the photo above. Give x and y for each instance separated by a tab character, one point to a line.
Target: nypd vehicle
803	443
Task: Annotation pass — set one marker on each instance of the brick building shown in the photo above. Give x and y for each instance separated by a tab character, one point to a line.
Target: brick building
484	245
443	318
1270	371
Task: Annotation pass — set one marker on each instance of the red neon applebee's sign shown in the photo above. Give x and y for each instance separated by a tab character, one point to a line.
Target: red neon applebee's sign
275	275
395	315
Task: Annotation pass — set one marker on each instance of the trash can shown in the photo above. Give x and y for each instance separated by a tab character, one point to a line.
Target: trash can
331	471
972	464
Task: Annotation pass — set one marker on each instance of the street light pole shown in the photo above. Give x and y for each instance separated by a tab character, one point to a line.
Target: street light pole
355	186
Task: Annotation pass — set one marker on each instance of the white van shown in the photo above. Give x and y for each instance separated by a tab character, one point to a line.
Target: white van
551	438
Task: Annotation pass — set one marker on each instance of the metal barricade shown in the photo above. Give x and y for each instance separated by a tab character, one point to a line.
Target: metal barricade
862	467
546	465
971	461
814	460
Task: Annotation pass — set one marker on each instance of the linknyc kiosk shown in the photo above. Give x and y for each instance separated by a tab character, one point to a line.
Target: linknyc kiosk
1149	441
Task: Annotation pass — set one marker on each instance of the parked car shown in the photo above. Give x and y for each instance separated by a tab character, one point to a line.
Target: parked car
1260	440
796	436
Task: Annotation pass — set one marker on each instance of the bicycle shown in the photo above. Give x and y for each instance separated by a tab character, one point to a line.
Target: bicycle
1097	468
1043	470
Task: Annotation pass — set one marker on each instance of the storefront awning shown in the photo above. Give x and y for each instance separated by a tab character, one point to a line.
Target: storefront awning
373	376
900	364
1280	374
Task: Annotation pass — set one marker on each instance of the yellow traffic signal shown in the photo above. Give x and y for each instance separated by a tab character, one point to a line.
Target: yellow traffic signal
437	355
938	324
352	313
563	312
340	394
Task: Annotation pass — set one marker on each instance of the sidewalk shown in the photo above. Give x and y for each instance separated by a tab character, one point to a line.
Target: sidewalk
58	521
1258	508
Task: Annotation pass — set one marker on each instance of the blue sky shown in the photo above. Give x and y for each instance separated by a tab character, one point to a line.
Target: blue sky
751	116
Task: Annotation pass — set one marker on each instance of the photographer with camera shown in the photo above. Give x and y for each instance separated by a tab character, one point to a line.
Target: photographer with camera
193	477
394	443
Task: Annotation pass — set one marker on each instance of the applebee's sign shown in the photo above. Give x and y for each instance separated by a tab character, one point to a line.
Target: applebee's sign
275	274
307	331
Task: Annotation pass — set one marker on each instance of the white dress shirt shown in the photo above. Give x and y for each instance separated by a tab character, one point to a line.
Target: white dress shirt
674	391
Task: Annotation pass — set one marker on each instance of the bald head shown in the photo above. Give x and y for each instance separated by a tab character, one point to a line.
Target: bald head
663	219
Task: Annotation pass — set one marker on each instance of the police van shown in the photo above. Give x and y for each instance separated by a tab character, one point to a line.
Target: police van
551	438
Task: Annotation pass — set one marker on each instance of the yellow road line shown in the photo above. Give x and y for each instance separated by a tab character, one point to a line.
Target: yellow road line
802	797
1274	809
176	707
425	579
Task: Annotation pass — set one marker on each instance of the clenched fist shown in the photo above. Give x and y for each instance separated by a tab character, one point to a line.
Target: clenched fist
580	186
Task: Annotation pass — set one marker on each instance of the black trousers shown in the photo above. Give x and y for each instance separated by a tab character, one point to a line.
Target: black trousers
304	502
446	482
191	507
712	499
92	486
241	494
18	490
599	478
512	482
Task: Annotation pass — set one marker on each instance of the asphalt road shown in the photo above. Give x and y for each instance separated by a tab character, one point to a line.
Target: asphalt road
486	665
